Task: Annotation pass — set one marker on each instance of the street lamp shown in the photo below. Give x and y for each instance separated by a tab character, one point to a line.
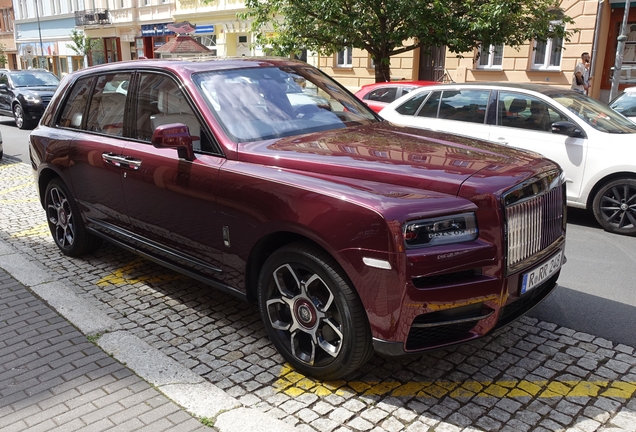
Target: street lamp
37	15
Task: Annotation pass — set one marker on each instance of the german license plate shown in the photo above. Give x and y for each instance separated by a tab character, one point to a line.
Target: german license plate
540	274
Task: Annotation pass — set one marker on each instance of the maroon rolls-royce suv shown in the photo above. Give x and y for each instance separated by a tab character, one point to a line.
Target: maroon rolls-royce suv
270	181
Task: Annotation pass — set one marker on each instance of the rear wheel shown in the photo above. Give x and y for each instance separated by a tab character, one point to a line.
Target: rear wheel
65	221
615	206
312	314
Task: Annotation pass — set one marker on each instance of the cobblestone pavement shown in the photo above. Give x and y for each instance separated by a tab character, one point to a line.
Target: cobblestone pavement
529	376
53	378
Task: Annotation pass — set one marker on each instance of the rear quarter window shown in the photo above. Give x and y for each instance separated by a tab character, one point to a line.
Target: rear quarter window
410	106
75	105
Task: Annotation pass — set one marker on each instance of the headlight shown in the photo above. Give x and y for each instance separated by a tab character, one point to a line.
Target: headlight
441	230
32	98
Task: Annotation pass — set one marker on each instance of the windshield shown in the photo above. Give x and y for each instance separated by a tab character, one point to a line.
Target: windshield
625	104
594	113
34	79
263	103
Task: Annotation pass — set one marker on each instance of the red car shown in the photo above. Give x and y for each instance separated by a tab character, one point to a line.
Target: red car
379	95
351	234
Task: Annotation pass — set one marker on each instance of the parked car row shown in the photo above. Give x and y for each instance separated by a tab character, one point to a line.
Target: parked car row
352	234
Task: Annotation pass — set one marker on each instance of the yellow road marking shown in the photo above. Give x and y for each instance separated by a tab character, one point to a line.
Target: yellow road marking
124	275
15	188
17	178
294	384
38	230
19	200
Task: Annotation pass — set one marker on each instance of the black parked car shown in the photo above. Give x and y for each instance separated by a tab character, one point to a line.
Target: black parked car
24	94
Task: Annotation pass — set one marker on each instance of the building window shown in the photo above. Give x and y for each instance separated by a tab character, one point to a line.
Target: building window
547	55
490	57
344	58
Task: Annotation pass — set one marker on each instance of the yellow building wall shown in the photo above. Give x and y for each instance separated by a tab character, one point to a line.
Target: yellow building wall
361	72
517	62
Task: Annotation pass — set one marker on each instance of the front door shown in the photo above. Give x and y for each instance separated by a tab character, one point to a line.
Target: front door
172	202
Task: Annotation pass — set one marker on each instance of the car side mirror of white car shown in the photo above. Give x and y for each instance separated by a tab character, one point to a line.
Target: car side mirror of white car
567	128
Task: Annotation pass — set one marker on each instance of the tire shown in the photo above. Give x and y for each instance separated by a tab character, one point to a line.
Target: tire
312	314
65	221
614	206
20	121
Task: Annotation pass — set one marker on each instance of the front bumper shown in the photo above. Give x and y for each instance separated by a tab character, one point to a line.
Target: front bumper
466	307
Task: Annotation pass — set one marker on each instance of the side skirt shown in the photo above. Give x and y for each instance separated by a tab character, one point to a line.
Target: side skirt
180	269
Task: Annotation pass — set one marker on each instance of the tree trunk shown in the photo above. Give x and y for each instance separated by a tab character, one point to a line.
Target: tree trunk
383	69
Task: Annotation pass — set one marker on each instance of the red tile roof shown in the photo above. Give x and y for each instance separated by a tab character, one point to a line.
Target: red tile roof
183	44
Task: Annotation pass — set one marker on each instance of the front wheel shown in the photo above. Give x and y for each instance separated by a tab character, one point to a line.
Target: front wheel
65	221
312	314
615	206
18	115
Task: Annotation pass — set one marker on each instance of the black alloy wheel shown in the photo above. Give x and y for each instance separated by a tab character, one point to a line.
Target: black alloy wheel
311	313
615	206
65	222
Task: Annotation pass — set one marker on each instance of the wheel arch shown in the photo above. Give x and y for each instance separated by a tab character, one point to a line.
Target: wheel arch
261	251
44	178
600	183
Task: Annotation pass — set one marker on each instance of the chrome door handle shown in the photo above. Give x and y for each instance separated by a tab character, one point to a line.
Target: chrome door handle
121	161
502	140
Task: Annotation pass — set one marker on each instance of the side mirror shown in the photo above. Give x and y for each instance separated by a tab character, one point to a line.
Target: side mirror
4	88
176	136
567	128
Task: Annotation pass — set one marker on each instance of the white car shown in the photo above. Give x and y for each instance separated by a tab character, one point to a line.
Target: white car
595	145
625	103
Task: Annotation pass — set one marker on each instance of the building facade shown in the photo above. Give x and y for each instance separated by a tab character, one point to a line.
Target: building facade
131	29
7	39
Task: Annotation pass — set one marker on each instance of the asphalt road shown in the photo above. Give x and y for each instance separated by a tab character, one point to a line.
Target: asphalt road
597	287
14	140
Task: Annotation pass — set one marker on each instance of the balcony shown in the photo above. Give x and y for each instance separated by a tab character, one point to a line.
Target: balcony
92	17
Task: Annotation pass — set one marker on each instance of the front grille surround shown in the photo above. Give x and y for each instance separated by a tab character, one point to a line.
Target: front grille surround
535	219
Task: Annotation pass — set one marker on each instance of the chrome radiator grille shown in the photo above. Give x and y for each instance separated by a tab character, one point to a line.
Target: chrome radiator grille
535	222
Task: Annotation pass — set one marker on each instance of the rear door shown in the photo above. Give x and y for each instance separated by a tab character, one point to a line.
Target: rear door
524	121
96	111
460	112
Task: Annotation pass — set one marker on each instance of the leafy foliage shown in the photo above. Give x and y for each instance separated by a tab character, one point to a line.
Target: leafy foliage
386	28
3	55
81	43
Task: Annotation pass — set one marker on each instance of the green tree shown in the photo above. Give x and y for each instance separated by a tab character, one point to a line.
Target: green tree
3	55
81	43
386	28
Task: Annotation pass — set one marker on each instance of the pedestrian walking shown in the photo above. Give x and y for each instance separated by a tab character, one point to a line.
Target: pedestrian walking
581	76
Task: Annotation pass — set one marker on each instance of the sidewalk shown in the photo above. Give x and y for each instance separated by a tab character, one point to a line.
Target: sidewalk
56	378
53	378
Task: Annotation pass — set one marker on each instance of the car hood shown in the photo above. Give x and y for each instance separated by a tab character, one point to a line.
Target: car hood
43	90
383	152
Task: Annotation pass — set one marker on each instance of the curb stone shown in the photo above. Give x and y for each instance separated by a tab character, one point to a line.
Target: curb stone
178	383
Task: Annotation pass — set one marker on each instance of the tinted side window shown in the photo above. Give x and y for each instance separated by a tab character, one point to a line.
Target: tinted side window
386	94
464	105
526	112
4	79
429	109
108	104
159	102
73	112
410	106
